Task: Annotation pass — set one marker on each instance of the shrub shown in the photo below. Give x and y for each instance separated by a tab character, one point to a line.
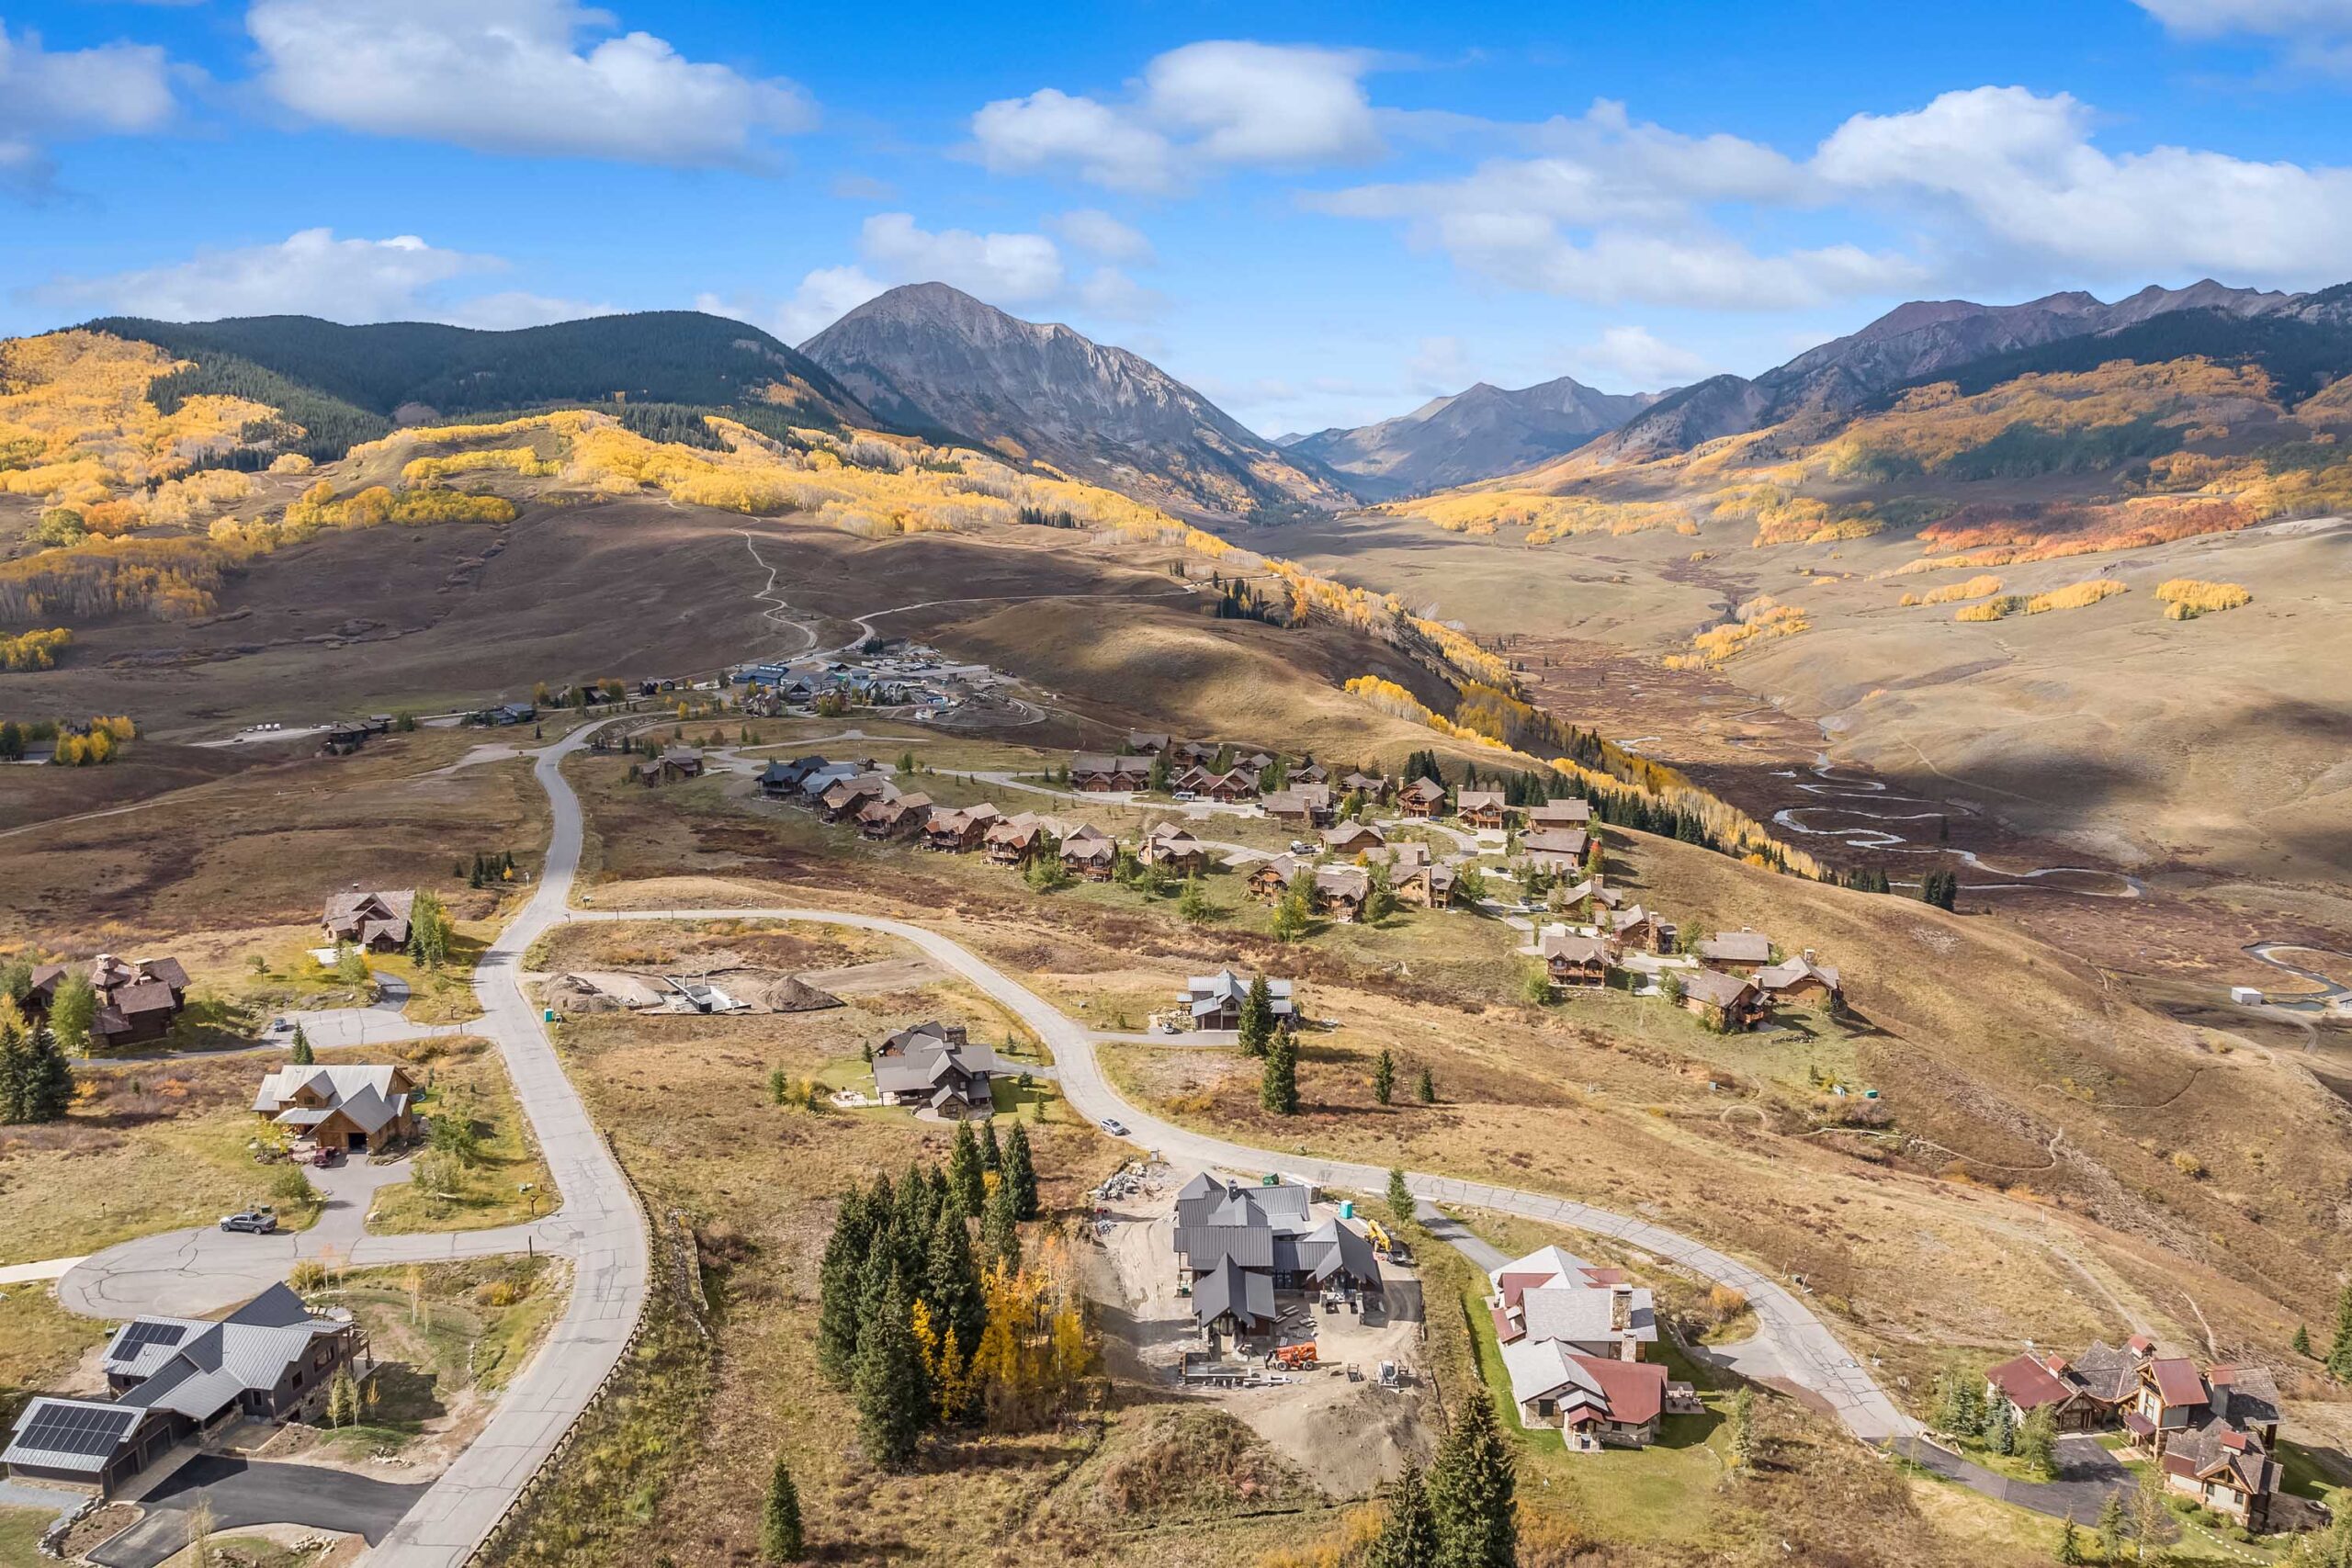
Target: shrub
2076	595
2185	598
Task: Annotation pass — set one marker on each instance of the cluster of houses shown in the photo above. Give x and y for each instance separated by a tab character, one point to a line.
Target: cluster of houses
1571	1337
2212	1433
913	677
1730	979
137	998
1240	1249
170	1378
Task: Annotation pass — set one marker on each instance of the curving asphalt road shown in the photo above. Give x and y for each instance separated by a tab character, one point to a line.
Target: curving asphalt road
1790	1345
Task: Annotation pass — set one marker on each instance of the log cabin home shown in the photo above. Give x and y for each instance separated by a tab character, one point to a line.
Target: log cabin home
1173	849
1423	798
1569	812
372	922
138	999
898	817
1088	853
1095	774
1740	950
1353	838
1726	1002
1575	962
1480	807
961	832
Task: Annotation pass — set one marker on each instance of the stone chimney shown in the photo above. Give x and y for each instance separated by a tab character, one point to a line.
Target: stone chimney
1621	1307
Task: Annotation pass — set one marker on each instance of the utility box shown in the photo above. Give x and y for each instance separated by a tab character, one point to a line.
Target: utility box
2246	995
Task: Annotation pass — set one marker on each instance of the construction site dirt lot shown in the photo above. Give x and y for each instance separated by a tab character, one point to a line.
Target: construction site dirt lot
1148	1327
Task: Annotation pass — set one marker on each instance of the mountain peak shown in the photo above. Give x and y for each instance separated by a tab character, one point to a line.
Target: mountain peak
934	358
1478	432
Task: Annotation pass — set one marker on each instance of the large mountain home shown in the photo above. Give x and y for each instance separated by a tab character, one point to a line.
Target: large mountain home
1571	1337
1014	841
847	797
1214	1002
1800	980
1644	928
1094	774
1238	1247
1480	807
1090	853
1373	788
1340	892
1725	1001
2084	1394
1559	850
1147	742
1425	883
1423	798
1575	963
1743	950
958	832
175	1377
1270	879
341	1107
674	764
934	1067
1173	847
894	818
373	922
781	780
137	999
1353	838
1569	813
1304	805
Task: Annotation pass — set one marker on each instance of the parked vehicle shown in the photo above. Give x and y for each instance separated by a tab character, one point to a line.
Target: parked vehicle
253	1222
1113	1127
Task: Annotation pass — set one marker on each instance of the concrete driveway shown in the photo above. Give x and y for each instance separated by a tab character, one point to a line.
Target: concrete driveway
2087	1476
241	1493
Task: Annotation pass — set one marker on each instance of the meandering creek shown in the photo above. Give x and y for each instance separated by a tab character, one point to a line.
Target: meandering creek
1828	785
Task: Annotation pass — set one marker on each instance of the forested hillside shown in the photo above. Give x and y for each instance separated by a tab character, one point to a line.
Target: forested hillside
343	385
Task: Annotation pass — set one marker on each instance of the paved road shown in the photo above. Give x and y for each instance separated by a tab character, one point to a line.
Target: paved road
605	1233
1790	1343
241	1493
2087	1476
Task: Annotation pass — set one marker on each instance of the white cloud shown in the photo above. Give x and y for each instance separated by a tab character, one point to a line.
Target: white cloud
1637	359
1051	127
46	96
518	308
2005	167
1004	269
1218	103
310	273
824	296
1103	236
514	77
1440	367
1991	181
2317	32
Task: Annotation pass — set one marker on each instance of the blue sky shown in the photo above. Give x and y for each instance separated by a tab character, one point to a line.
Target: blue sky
1317	214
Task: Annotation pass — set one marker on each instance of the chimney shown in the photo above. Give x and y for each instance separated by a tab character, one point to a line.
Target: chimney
1621	1307
1808	956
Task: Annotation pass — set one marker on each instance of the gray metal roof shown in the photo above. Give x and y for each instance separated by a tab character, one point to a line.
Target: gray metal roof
1232	1290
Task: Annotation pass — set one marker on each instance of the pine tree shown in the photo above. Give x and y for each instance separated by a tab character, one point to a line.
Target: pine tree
2070	1543
49	1082
1193	904
2339	1349
429	929
2110	1527
1293	912
2301	1343
1278	1084
301	1054
1383	1076
2037	1442
1257	1023
1021	1173
780	1517
1744	1442
992	1153
887	1384
840	1289
1470	1491
16	1057
952	1280
1425	1088
2001	1428
1407	1535
1400	1197
966	1183
999	1235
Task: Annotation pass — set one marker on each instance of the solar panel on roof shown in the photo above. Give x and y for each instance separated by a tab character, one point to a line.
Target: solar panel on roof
77	1429
141	1334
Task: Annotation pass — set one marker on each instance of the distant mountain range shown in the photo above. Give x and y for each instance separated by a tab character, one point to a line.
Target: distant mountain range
1932	340
931	358
1472	435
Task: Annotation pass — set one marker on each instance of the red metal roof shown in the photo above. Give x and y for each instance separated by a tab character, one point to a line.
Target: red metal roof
1635	1390
1513	1286
1505	1329
2028	1384
2177	1380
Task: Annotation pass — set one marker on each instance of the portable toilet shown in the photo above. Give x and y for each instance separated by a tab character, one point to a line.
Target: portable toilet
1347	1207
547	1015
